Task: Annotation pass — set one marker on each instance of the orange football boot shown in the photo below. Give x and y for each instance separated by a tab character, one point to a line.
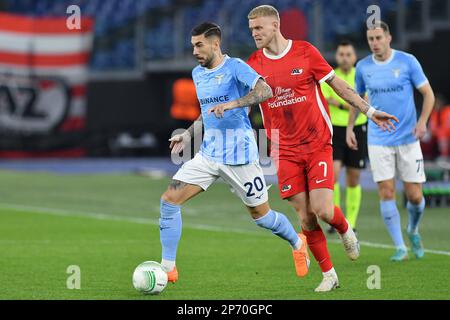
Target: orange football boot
301	258
172	276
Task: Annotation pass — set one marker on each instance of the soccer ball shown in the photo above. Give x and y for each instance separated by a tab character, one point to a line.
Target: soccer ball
149	278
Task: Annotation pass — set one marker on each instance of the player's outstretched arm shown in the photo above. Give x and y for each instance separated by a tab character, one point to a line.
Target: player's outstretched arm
346	92
179	141
260	93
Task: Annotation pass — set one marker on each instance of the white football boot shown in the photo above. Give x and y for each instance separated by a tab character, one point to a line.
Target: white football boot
329	282
351	243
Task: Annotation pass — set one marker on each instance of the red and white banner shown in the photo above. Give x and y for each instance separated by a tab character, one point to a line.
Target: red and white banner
43	78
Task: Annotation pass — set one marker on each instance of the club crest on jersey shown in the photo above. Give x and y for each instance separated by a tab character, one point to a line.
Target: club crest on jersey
396	72
219	78
296	72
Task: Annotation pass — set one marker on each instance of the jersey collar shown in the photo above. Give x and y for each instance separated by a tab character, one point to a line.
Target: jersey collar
380	63
281	55
226	57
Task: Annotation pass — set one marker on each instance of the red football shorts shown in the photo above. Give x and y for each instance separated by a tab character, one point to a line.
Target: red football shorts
306	172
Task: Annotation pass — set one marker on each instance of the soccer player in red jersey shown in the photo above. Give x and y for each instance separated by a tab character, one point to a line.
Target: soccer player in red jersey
302	147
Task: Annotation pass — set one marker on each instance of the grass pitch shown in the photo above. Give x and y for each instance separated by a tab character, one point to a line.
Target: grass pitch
108	224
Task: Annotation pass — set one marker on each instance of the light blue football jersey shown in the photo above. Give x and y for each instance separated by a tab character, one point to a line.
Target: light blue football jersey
390	85
230	139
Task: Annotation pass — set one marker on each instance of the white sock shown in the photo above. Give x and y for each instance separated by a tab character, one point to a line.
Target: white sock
330	272
167	265
298	244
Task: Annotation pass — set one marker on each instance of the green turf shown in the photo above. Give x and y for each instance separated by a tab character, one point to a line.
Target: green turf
107	225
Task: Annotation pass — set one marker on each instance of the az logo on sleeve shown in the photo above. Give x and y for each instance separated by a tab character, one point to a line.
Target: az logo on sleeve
296	72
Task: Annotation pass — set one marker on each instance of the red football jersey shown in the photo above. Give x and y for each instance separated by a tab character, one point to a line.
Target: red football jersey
297	109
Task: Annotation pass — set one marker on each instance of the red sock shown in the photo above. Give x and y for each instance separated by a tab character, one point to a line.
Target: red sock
317	243
338	222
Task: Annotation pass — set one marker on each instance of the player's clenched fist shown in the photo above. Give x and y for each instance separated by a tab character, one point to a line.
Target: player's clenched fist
420	129
351	139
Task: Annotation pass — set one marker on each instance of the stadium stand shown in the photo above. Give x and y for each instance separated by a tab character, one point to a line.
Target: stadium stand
115	30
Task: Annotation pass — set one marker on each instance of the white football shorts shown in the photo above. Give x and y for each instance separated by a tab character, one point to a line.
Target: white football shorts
404	162
246	181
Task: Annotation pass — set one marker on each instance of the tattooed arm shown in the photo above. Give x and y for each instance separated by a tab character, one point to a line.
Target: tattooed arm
260	93
353	113
346	92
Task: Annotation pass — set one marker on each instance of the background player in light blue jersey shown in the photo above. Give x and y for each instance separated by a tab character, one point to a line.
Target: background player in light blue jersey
228	150
389	77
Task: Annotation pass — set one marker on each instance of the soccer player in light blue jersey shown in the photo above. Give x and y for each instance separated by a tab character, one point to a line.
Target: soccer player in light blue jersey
389	77
228	150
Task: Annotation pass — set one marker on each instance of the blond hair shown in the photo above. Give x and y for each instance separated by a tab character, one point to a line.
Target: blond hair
264	11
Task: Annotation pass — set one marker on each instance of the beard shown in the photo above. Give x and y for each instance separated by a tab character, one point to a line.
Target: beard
207	63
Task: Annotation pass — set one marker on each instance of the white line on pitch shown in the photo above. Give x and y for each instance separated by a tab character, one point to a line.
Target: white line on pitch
387	246
111	217
139	220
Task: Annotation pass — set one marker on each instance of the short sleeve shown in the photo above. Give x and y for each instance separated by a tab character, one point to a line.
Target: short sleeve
359	80
320	68
245	74
418	78
194	74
